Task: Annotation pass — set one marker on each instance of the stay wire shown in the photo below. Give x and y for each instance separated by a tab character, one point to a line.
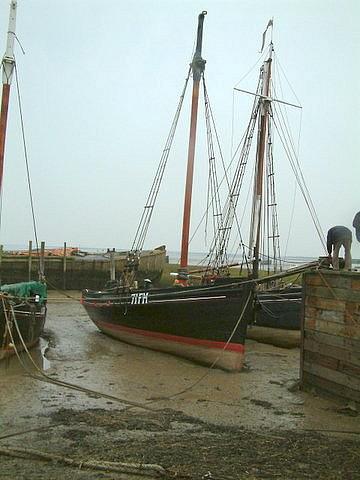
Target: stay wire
295	188
293	156
144	223
277	68
296	168
225	177
301	182
260	58
27	164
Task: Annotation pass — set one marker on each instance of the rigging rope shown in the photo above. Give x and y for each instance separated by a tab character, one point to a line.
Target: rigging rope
213	188
222	238
295	191
301	181
143	226
273	231
261	56
224	178
27	168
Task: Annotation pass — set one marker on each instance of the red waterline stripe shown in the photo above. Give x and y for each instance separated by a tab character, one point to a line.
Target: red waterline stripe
234	347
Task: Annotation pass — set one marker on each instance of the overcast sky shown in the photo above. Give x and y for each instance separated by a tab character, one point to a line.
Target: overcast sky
100	82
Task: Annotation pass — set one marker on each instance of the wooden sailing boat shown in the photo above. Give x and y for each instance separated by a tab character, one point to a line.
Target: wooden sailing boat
275	306
22	305
204	323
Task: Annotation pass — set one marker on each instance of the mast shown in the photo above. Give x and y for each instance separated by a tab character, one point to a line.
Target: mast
259	168
198	67
8	64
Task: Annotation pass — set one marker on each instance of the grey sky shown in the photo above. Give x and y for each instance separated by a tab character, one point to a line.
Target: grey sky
100	82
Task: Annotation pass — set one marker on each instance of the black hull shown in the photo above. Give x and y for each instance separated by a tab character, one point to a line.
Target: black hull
279	308
193	322
30	318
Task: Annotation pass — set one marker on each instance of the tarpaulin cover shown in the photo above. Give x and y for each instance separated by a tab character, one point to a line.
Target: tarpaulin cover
26	290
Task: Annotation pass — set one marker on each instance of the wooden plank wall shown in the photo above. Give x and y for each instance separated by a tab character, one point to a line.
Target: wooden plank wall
330	344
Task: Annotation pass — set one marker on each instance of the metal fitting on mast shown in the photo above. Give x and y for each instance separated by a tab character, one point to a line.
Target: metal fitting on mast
198	63
8	60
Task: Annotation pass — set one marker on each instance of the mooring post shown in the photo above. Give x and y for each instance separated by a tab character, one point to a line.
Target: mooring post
1	255
112	264
64	267
42	261
30	260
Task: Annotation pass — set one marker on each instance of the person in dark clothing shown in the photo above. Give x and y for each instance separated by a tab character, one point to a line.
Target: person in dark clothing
356	225
336	238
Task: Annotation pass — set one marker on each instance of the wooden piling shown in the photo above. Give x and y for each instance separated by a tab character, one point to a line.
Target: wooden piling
112	265
42	262
30	260
1	255
64	267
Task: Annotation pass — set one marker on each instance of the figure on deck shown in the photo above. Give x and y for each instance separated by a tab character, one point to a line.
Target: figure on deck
338	237
356	225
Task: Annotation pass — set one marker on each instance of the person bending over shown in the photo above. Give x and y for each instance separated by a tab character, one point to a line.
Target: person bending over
338	237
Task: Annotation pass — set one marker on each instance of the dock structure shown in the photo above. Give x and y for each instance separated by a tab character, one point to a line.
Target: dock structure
330	334
64	269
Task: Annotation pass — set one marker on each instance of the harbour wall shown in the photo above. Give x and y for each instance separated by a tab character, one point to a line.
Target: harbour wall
78	272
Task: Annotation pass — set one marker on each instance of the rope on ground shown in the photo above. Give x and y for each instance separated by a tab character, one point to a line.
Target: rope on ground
30	430
61	291
328	430
45	378
144	469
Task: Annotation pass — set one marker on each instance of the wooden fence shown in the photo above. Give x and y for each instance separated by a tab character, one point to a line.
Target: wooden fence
330	344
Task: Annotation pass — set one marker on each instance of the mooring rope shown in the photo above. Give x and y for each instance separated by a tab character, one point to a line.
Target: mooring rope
211	367
45	378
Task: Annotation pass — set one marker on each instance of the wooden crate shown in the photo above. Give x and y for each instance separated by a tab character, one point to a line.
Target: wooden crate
330	333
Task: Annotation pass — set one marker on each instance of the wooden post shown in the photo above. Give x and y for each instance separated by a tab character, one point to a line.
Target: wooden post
1	255
30	260
112	265
42	262
64	267
302	328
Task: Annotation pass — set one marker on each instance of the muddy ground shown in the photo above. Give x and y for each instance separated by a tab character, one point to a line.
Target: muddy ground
197	423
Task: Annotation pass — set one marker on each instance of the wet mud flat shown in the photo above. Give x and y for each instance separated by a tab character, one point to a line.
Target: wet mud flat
196	423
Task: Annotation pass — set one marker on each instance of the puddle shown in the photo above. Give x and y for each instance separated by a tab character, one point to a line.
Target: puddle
15	366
